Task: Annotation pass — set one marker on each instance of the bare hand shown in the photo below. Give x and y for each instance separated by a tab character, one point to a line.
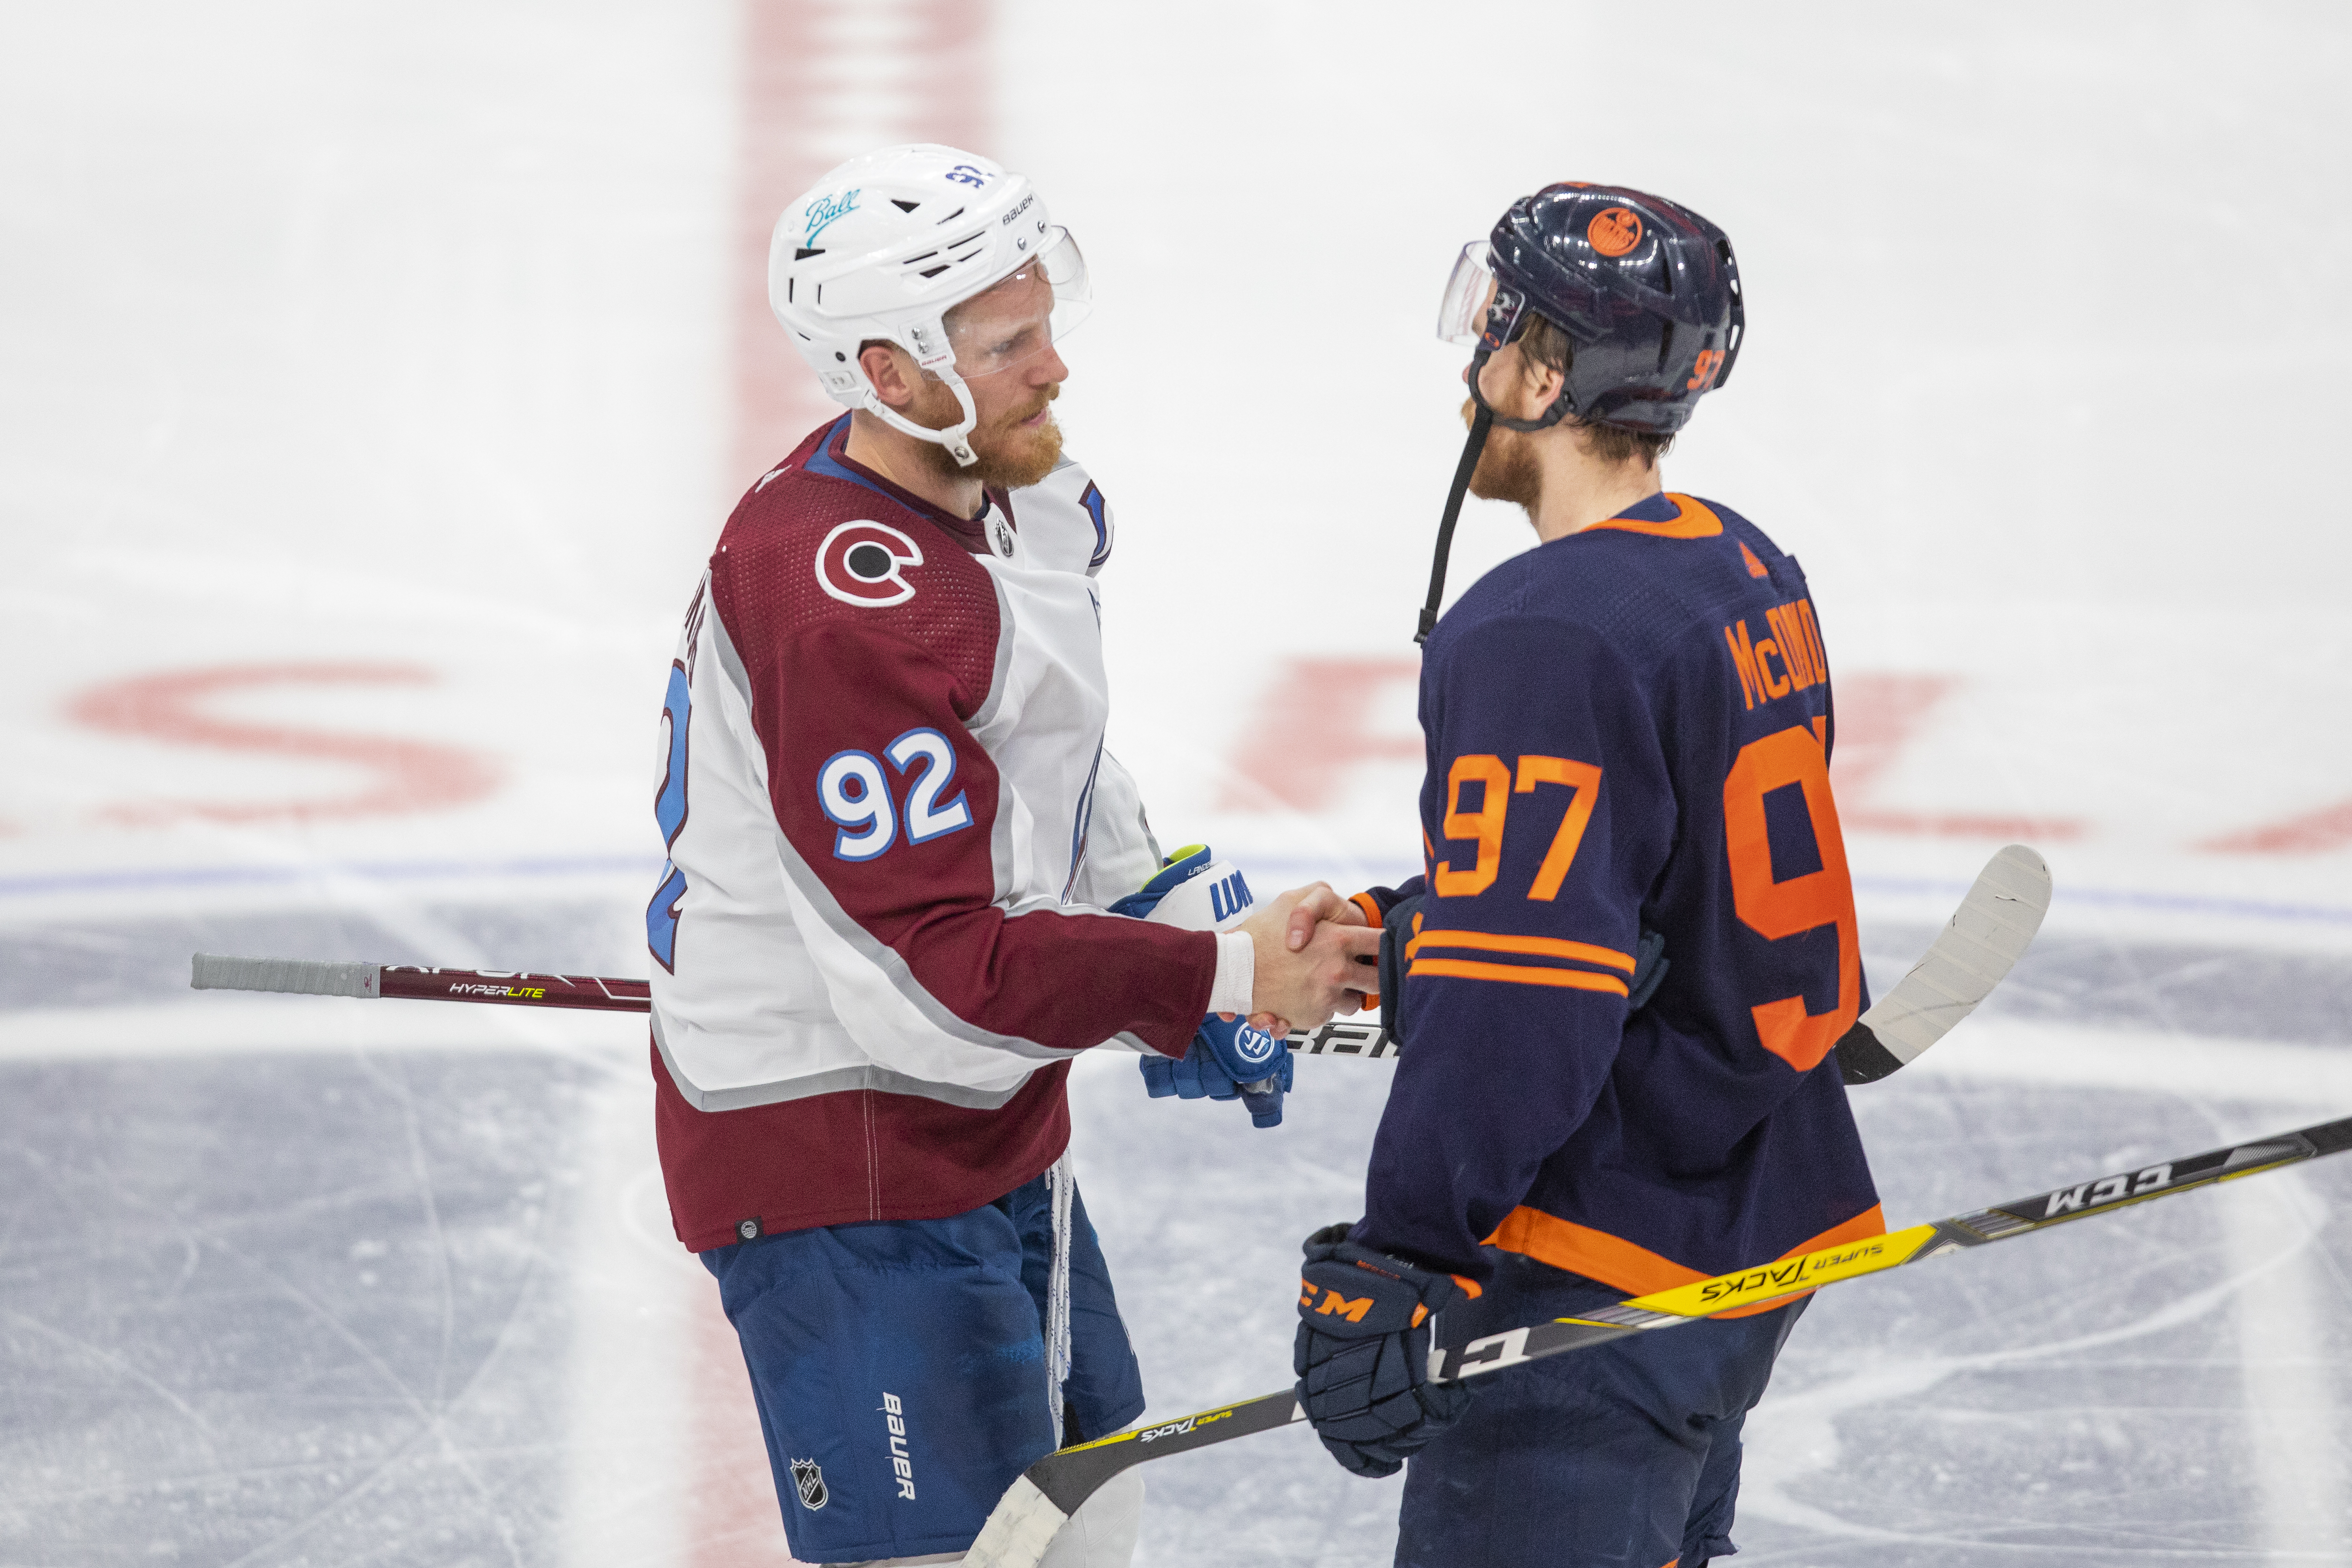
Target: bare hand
1315	956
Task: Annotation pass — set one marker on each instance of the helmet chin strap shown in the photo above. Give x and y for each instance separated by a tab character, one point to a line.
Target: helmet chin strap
1480	426
956	439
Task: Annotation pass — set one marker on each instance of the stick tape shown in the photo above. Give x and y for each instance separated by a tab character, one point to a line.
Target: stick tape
301	976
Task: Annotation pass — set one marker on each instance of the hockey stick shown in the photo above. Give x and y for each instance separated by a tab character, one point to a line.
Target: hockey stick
314	977
1970	957
1973	953
1023	1524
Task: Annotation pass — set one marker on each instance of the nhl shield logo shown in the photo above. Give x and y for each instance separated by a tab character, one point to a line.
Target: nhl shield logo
999	534
811	1482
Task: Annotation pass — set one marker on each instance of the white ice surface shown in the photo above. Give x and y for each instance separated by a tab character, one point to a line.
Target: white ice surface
383	354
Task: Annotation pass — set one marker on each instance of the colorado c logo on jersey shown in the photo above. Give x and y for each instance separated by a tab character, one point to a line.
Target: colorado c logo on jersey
865	562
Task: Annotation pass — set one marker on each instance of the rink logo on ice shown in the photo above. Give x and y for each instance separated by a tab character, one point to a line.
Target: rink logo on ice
894	1415
823	212
810	1482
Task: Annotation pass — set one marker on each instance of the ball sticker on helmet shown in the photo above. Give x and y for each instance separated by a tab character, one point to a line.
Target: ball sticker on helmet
864	563
826	211
1613	231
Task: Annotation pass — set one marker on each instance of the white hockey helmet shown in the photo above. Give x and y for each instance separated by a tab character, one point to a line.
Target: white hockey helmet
887	244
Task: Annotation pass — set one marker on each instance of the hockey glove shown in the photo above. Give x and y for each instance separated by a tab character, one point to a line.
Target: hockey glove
1362	1355
1227	1059
1192	889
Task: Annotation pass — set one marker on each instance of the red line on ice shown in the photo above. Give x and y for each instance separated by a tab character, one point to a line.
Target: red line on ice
411	775
923	65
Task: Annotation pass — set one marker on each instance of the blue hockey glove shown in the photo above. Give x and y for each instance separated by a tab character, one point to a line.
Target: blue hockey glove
1174	871
1226	1060
1362	1355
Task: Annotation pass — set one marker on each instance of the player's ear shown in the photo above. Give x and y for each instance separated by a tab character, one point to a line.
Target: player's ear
891	370
1542	383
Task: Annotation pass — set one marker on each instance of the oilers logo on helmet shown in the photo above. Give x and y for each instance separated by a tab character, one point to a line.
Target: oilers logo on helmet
864	563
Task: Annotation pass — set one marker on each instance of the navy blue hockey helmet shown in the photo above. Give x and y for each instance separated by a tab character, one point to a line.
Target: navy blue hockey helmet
1646	289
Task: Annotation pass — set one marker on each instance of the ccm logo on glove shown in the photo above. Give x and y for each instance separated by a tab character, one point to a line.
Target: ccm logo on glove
1334	1302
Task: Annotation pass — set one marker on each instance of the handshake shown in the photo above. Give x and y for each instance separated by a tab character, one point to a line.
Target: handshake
1312	954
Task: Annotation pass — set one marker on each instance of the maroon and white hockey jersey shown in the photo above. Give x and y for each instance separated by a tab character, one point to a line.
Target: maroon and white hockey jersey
892	827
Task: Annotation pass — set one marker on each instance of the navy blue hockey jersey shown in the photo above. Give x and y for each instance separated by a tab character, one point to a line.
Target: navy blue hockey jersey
1627	728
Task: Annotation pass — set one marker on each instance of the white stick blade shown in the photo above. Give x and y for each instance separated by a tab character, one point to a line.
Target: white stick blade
1019	1530
300	976
1987	932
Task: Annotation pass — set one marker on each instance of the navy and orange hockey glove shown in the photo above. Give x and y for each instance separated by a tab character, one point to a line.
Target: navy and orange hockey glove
1362	1355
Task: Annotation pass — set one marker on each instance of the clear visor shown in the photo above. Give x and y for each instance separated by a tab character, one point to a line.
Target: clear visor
1468	293
1024	313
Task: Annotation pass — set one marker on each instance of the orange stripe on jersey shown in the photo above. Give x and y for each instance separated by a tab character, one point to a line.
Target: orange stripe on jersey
1595	1253
1613	1260
1691	521
1548	946
1755	567
1524	975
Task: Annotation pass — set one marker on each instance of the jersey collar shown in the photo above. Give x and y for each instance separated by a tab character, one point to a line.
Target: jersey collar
1668	516
831	460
